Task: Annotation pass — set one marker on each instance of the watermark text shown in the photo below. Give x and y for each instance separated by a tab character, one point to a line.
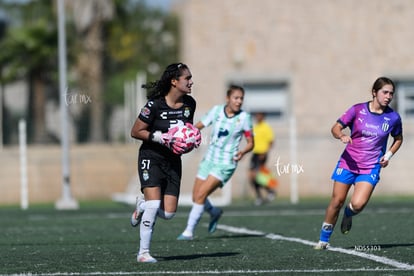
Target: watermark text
77	98
288	168
367	247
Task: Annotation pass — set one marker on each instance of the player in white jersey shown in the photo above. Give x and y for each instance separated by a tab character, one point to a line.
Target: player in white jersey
229	123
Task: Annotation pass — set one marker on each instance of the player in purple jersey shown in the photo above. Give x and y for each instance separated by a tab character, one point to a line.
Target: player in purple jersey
159	160
370	123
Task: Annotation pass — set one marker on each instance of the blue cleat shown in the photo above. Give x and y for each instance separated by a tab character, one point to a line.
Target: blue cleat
212	226
184	238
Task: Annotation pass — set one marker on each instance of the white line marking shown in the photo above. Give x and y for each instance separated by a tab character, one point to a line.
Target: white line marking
379	259
398	265
194	272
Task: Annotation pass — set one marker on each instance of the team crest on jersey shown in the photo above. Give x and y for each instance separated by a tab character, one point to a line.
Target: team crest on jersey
187	112
222	132
145	175
385	125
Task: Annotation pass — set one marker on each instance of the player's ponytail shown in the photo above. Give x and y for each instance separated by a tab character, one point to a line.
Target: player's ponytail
161	87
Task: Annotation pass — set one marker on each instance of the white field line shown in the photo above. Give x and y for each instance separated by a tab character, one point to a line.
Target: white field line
204	272
398	265
372	257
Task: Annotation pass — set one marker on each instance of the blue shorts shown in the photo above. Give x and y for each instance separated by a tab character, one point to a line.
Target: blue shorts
347	177
223	172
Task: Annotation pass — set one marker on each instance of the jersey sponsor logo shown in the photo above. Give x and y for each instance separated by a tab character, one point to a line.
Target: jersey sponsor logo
367	125
163	115
369	134
175	112
222	132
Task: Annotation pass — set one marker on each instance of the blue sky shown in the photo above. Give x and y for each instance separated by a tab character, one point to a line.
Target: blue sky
163	4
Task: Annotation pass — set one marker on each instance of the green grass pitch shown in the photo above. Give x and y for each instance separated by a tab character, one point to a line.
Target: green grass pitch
274	239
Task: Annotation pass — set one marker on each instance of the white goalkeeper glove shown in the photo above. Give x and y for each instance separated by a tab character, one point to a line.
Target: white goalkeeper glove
167	139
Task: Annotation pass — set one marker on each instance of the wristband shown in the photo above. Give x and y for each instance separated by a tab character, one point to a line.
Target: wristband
387	155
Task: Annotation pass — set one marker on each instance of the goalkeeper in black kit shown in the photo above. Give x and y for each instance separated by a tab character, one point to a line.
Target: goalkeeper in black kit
169	106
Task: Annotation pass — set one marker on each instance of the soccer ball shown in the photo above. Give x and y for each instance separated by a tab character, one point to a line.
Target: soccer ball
188	135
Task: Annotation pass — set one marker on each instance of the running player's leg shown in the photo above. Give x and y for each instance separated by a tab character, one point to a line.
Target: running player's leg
201	190
362	194
223	173
170	190
215	215
139	210
360	197
339	193
343	180
210	208
151	178
168	207
152	204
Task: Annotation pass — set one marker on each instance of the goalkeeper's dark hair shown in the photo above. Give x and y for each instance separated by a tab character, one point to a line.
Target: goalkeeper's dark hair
160	88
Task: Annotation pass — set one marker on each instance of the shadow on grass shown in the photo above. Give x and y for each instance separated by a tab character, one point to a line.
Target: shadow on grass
197	256
235	236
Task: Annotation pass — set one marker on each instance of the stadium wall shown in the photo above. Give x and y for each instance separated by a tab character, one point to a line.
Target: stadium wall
99	171
328	52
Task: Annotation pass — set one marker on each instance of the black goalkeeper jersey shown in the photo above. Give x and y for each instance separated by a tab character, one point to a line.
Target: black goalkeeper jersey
159	116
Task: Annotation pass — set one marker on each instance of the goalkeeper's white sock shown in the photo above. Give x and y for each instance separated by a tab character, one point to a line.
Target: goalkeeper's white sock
164	214
147	224
193	219
141	206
